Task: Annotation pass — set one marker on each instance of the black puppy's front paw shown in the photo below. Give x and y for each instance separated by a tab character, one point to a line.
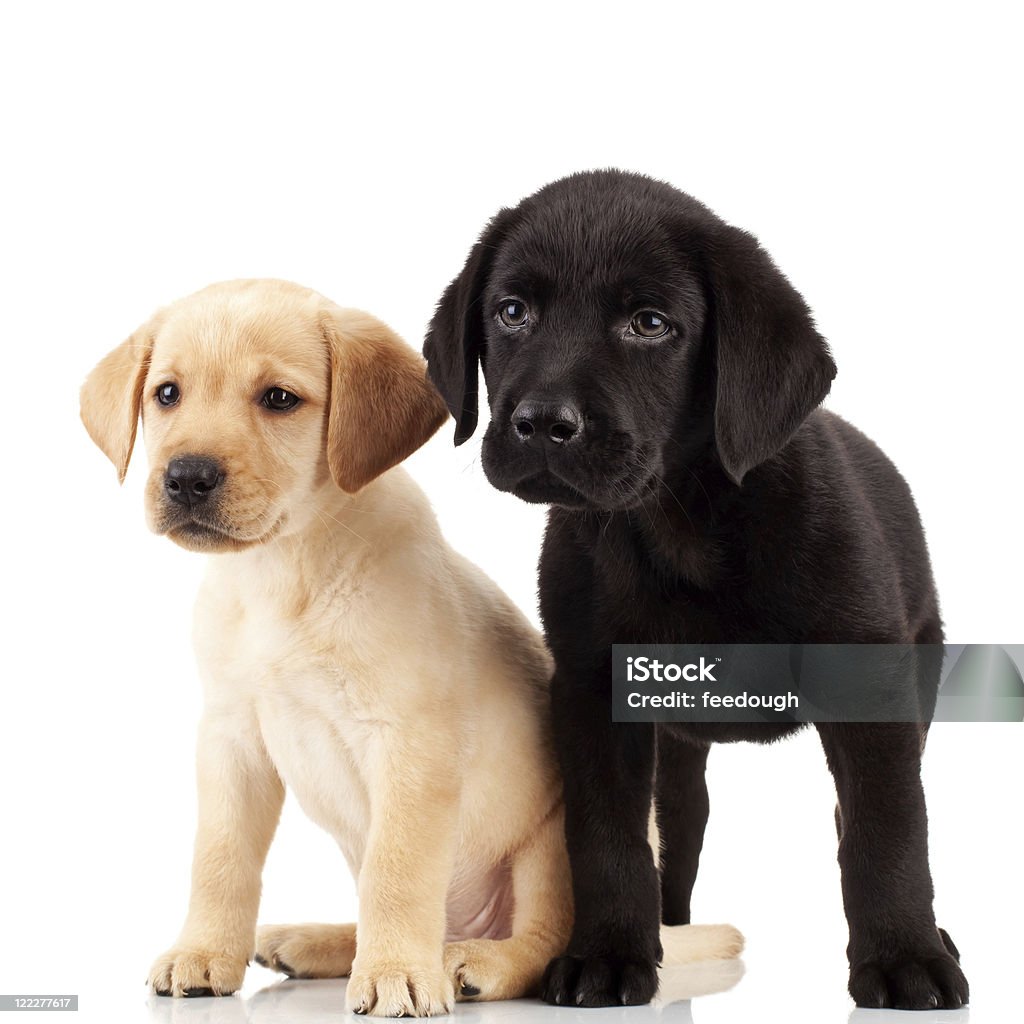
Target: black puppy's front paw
599	981
928	981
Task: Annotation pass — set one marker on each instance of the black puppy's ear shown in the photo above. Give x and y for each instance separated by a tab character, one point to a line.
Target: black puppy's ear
455	338
773	366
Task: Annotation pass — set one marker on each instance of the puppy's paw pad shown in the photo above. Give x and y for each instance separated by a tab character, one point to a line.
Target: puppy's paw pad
599	981
391	991
307	950
916	982
185	972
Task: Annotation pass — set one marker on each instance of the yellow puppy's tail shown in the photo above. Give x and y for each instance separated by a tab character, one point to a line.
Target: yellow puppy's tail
685	943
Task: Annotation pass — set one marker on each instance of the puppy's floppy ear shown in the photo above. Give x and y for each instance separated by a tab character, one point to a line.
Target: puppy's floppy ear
382	407
773	367
111	397
454	345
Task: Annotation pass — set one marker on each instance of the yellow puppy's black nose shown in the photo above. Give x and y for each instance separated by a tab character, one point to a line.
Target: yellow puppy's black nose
191	479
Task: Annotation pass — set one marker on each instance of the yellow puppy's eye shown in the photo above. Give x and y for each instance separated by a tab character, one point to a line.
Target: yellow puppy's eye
168	394
513	313
279	399
648	323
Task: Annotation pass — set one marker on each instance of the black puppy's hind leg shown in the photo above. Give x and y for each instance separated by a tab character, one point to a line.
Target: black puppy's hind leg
681	800
898	957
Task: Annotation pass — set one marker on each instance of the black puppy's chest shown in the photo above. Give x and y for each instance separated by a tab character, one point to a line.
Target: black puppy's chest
680	611
623	593
662	615
691	594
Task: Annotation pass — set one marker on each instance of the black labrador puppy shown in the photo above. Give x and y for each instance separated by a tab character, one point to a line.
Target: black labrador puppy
654	378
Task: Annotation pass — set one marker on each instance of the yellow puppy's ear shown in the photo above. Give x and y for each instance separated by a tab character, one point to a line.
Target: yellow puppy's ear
382	407
112	396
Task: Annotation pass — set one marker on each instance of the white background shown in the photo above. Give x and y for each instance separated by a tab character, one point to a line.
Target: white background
150	149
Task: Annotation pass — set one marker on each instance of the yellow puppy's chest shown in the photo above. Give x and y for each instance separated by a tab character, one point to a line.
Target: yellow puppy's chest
319	754
321	750
319	718
304	708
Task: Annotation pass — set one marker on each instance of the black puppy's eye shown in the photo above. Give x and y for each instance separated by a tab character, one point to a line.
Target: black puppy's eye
513	313
279	399
649	324
168	394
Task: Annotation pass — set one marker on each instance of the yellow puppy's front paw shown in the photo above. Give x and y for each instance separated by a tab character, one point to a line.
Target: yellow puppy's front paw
493	968
182	971
397	990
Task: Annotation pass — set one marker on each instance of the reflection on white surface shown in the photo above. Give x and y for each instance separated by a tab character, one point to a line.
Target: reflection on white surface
289	1001
961	1016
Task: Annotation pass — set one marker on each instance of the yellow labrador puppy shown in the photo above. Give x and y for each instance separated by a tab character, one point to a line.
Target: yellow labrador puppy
347	652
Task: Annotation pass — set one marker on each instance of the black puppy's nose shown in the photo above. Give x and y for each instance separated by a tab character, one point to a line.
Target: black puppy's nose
554	422
190	479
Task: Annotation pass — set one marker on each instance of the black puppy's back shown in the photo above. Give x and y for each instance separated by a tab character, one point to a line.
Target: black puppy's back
838	522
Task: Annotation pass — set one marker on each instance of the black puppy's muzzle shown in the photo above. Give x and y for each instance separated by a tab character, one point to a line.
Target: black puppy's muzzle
544	423
190	480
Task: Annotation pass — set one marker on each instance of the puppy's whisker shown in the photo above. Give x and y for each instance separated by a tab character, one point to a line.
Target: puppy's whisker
696	479
672	494
267	480
321	513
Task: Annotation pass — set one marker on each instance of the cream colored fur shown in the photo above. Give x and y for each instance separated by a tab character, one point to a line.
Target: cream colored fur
348	653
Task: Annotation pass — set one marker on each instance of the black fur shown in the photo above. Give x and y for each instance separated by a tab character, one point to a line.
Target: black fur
706	498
